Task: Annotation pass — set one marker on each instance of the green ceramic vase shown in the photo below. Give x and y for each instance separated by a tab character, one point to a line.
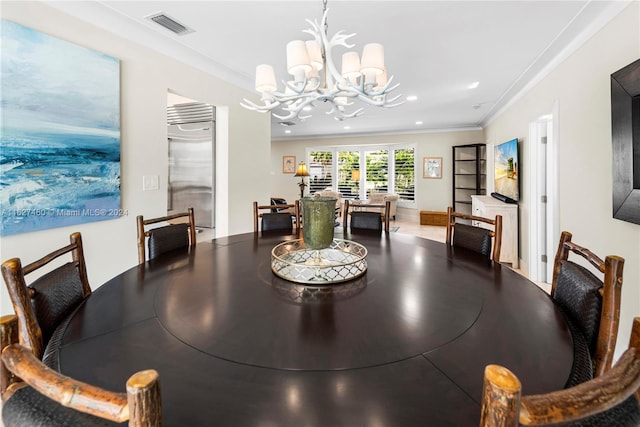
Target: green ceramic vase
318	220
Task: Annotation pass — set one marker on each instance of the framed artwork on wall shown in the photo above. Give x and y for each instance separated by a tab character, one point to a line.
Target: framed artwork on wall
432	167
625	122
60	137
288	164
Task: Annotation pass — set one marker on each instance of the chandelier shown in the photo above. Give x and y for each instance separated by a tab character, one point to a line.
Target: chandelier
316	77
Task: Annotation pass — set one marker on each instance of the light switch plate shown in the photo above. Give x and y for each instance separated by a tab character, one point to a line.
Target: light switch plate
150	182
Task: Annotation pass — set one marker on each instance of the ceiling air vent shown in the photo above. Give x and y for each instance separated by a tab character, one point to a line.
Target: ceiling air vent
169	23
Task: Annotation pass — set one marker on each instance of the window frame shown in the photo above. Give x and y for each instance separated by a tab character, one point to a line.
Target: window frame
363	149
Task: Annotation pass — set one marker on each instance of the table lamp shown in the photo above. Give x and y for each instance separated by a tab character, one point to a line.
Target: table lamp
302	172
355	177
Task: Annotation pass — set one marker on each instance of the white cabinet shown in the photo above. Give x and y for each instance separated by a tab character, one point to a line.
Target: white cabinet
488	207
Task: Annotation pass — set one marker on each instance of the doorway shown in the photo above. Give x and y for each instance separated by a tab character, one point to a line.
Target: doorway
543	173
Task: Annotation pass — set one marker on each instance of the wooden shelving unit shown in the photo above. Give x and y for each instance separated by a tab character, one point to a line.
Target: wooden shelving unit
469	175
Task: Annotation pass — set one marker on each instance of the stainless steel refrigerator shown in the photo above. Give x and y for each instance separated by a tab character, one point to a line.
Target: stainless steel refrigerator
191	133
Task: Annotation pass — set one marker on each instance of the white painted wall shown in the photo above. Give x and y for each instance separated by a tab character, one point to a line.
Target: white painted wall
243	143
431	194
581	86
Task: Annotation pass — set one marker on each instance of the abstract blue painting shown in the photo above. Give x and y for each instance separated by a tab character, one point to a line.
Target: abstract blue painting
59	132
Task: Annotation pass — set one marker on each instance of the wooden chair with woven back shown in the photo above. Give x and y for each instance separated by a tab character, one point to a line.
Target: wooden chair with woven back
35	395
276	218
611	400
366	217
179	233
591	304
278	202
45	305
473	237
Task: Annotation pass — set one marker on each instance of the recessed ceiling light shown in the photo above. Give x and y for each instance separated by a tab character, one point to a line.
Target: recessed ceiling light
412	98
287	131
347	127
473	85
418	122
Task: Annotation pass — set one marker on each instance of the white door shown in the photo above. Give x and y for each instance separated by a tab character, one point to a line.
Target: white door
543	224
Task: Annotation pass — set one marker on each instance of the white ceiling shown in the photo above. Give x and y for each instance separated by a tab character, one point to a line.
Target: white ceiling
434	49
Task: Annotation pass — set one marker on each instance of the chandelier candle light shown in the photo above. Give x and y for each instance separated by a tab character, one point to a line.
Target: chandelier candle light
316	78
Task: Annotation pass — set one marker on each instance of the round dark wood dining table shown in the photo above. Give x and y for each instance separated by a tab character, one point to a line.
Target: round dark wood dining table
403	345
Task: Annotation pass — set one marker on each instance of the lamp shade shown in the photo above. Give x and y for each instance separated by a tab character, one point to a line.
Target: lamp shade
297	57
265	78
355	175
372	58
382	78
302	170
315	54
350	66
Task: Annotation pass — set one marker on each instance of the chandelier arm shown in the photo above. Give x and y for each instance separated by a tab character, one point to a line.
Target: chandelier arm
314	30
334	78
294	87
298	105
392	88
293	113
392	105
340	39
386	88
249	105
339	111
315	87
359	92
261	108
337	40
282	98
381	93
385	103
285	117
295	109
342	115
370	101
391	100
377	99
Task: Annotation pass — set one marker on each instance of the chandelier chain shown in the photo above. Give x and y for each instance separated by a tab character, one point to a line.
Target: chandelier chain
326	21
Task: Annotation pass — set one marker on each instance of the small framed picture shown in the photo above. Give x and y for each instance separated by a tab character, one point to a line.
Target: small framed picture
432	167
288	164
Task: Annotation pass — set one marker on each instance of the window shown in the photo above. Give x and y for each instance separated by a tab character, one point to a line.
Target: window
404	173
320	170
349	174
357	172
377	171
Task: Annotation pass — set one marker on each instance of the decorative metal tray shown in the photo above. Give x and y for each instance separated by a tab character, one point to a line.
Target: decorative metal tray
343	260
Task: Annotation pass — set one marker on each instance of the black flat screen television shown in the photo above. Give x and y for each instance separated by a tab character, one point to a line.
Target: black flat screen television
506	163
